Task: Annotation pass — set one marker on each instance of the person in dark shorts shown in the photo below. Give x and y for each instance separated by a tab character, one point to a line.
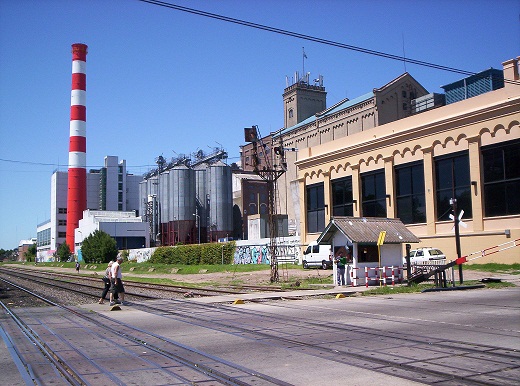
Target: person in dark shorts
117	283
107	282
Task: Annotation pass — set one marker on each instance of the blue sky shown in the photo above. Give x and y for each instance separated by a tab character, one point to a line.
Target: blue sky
165	82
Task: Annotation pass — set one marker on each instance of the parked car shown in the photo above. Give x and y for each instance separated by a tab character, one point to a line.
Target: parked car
317	255
423	255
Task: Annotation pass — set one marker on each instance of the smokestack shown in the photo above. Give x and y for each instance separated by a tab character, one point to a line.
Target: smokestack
77	184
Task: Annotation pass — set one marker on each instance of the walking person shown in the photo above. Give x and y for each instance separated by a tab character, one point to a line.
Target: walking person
341	261
107	282
77	266
117	283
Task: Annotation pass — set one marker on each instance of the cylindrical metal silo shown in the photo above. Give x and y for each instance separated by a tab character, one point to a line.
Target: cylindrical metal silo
220	193
182	181
143	198
183	194
164	197
201	190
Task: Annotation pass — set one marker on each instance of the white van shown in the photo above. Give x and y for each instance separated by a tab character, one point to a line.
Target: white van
317	256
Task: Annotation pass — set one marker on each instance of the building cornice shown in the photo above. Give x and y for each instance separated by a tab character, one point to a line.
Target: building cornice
408	129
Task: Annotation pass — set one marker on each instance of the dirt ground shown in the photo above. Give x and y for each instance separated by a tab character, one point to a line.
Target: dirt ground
292	275
252	278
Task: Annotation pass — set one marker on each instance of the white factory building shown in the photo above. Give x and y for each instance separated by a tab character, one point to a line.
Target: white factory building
109	188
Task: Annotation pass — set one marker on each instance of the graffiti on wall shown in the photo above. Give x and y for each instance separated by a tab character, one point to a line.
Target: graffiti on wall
252	254
288	252
140	255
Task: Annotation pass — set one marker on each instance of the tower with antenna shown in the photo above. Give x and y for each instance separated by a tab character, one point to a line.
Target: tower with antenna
301	98
77	176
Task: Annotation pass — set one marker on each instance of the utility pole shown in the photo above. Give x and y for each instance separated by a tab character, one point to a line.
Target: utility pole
160	161
269	171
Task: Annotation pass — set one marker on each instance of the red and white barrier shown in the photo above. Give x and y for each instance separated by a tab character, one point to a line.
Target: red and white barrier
383	275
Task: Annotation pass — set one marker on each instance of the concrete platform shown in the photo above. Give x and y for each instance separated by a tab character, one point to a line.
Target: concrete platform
11	368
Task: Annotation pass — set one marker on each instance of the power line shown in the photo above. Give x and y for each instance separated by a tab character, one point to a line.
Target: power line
314	39
67	165
87	167
305	37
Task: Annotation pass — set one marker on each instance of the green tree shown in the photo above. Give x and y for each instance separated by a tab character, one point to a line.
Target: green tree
63	252
99	247
30	254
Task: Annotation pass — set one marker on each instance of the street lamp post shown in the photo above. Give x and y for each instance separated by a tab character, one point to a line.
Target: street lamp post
196	214
174	220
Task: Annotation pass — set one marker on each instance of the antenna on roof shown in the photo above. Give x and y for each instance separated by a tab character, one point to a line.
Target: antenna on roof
303	59
404	54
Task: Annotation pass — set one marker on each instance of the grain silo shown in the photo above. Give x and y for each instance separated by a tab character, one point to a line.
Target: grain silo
182	183
220	195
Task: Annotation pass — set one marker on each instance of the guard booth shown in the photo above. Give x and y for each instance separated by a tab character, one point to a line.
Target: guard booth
375	244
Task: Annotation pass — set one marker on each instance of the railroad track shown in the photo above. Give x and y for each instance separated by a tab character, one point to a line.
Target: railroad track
61	335
196	291
87	289
353	342
460	363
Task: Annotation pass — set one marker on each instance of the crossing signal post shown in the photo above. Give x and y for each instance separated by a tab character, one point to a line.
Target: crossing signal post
456	219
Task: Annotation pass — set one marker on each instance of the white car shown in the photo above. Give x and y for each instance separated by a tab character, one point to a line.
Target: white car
424	255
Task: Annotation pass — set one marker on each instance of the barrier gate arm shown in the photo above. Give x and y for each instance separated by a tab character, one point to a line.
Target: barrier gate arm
488	251
461	260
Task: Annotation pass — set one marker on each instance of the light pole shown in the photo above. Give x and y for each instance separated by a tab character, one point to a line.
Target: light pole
174	236
198	223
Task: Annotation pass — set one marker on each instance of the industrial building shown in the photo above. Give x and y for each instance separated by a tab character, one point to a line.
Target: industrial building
109	188
126	228
308	123
460	157
187	201
360	156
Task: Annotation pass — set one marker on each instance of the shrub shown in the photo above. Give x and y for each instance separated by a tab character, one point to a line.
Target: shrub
195	254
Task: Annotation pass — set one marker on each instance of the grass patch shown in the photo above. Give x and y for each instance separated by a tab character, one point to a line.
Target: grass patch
422	286
512	269
306	283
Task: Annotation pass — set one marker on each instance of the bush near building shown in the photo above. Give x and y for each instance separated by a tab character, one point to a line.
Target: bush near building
195	254
99	247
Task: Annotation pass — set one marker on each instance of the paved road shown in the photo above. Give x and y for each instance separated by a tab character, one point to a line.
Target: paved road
456	337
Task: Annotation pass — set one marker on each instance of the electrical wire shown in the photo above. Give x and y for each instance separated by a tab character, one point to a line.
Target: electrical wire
87	167
305	37
313	38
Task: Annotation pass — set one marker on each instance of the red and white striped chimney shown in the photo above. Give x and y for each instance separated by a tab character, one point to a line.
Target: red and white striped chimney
77	184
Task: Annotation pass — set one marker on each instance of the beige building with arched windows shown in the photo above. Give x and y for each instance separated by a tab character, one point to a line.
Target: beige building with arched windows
411	168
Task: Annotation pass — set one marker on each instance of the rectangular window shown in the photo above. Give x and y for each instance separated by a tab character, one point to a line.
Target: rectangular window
342	197
62	210
452	181
315	208
368	253
409	191
62	234
373	194
501	179
62	222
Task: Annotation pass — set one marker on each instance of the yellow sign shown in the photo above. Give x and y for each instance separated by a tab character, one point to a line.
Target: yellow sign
381	238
